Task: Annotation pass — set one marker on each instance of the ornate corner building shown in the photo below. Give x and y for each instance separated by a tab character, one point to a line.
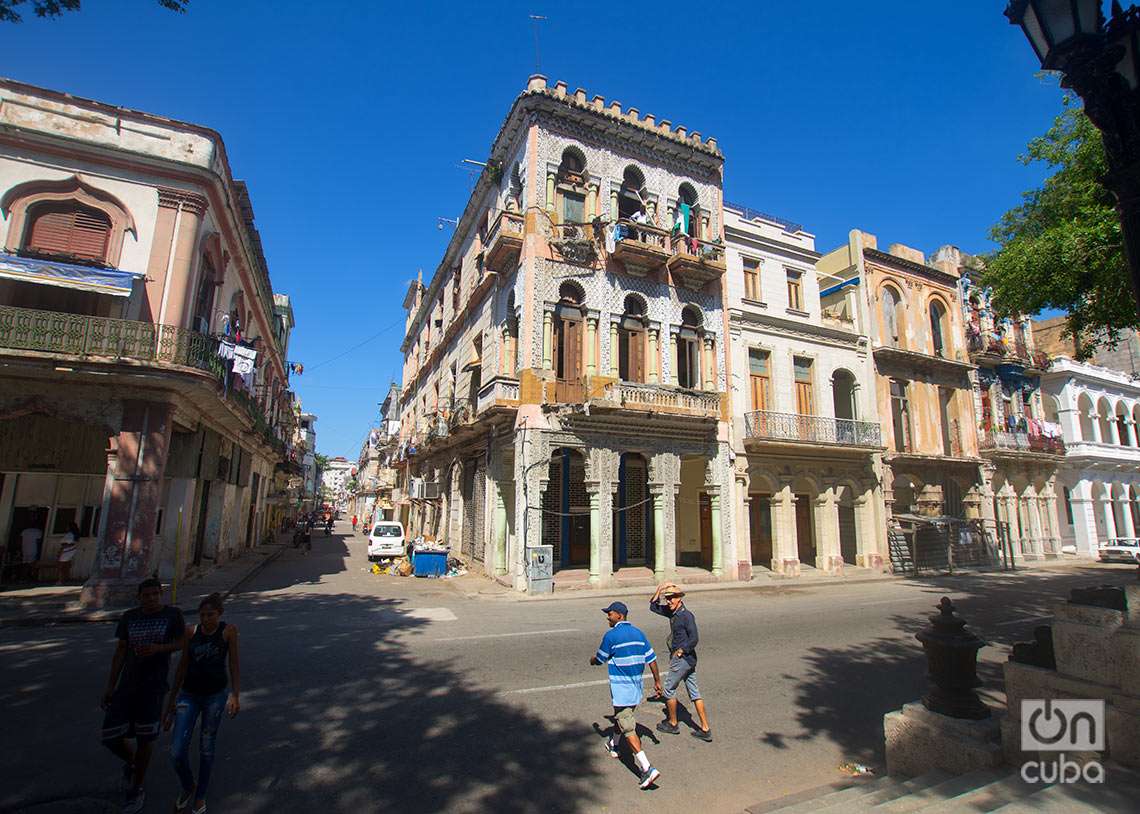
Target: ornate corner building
144	394
566	366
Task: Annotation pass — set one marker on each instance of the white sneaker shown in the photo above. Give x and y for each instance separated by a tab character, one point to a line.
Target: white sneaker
611	750
648	777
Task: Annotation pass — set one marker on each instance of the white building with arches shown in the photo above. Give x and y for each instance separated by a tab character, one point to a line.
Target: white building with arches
806	434
1099	412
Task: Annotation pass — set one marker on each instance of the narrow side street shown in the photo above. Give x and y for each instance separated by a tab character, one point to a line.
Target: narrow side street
386	694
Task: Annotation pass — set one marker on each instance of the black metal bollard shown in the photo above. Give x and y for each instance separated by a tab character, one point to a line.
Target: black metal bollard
952	665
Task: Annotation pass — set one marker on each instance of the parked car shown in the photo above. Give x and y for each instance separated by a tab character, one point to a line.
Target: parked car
386	540
1120	550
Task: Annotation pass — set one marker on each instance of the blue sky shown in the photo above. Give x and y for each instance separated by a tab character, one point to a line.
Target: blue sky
349	122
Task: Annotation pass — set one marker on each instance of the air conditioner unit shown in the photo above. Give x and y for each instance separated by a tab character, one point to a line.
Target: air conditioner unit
416	489
431	490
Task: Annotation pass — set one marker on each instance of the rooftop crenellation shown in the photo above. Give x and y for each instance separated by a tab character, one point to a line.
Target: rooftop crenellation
538	84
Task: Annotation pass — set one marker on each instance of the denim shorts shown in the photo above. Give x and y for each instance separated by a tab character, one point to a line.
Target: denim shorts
680	670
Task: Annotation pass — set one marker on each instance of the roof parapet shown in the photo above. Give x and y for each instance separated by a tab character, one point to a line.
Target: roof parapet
537	83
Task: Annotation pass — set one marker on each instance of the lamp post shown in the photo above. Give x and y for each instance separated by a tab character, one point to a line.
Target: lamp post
1099	60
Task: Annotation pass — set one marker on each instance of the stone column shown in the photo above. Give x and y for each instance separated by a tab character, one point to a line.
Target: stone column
672	359
614	209
614	358
785	546
549	191
1095	422
178	290
547	339
591	346
744	529
1109	520
828	557
601	550
1126	521
591	201
132	499
500	532
713	492
1084	519
870	552
706	364
657	492
653	363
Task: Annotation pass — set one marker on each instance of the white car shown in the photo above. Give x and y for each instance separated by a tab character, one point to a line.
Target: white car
386	540
1120	550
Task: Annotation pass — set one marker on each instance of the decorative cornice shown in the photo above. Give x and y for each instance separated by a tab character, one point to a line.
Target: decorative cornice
792	328
171	198
930	273
739	237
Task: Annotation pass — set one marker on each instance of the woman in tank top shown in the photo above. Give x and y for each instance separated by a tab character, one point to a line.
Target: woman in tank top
209	663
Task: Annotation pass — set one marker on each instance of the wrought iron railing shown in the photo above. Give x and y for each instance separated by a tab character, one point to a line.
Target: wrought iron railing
769	425
705	251
1020	441
655	397
82	335
628	231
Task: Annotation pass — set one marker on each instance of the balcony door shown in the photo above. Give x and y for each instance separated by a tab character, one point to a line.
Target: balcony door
568	343
631	351
758	378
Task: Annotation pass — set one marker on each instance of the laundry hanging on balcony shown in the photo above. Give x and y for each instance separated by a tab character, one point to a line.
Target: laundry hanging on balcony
243	359
115	282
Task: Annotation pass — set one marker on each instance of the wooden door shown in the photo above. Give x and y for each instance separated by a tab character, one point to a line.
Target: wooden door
706	532
805	402
759	388
805	537
760	529
636	356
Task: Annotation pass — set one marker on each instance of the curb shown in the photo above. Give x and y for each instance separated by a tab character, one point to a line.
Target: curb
104	616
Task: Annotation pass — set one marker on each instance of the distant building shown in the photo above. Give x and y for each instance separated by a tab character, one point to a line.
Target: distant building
336	477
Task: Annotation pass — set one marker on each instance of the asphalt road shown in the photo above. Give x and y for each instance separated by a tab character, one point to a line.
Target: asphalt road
385	694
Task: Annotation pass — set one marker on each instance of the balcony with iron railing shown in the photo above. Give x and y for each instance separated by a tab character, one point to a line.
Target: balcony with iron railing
768	426
130	342
991	441
499	392
504	240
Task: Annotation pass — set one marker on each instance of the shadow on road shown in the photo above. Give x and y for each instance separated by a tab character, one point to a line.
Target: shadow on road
844	692
337	715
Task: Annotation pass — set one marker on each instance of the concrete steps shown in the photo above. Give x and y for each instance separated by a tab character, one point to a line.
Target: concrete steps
1000	790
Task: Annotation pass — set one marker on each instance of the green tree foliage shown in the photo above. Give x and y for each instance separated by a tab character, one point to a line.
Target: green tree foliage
1062	246
10	13
322	461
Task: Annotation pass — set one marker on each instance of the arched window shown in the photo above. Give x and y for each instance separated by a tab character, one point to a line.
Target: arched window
204	298
68	230
572	186
573	162
688	210
938	328
631	201
843	394
689	339
632	340
892	304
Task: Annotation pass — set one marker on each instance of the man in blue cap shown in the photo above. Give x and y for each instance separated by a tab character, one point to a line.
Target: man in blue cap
625	651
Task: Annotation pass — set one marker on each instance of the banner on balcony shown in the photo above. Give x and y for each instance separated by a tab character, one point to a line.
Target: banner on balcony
115	282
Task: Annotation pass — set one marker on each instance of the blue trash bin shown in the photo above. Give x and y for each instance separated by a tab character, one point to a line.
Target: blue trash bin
429	563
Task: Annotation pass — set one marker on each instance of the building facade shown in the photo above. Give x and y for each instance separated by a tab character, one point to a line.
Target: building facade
338	481
806	434
1098	409
912	313
1019	439
566	371
144	394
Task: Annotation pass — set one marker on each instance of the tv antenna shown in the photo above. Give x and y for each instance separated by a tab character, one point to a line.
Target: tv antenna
535	20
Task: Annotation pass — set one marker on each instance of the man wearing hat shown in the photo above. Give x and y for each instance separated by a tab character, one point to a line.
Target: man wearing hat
625	651
683	639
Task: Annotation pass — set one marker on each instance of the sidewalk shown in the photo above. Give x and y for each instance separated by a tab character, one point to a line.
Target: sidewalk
574	586
59	604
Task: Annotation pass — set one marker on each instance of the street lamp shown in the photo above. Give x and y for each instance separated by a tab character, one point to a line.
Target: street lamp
1100	61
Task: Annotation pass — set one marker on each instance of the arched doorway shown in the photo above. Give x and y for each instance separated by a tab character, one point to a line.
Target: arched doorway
633	516
566	509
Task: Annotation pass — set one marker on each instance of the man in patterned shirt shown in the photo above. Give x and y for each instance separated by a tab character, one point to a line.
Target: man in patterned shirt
625	651
137	685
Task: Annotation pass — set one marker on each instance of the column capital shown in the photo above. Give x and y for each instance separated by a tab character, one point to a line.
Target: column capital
171	198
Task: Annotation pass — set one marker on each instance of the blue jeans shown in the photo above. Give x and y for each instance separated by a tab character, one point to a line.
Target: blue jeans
187	709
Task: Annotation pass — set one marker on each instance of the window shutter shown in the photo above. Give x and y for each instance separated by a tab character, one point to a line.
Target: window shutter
70	230
637	356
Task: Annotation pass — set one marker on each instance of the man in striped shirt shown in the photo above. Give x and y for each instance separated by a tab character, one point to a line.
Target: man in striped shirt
625	651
